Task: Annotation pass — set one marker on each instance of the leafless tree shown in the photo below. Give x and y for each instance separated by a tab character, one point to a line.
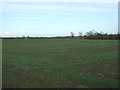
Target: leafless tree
80	34
72	34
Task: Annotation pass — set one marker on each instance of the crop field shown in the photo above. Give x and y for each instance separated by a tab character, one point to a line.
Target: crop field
59	63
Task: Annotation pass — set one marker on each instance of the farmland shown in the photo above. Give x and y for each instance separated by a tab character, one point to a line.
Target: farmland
60	63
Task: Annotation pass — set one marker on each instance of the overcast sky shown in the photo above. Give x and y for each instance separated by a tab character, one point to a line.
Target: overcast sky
59	18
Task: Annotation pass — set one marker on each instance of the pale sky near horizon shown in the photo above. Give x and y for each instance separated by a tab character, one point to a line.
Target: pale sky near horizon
57	18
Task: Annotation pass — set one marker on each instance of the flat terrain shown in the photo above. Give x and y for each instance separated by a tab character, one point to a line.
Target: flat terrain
60	63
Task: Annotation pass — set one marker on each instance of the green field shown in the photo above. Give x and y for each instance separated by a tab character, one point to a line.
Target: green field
60	63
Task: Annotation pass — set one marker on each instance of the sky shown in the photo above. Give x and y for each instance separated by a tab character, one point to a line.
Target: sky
57	18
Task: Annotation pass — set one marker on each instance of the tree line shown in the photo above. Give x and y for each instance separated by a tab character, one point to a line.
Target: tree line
88	35
97	35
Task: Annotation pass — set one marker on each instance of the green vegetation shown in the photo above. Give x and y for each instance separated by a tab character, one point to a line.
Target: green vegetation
60	63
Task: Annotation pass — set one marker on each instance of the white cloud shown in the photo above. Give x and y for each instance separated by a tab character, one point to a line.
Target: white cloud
5	34
108	1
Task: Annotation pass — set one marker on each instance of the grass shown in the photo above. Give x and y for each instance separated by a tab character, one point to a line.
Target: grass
60	63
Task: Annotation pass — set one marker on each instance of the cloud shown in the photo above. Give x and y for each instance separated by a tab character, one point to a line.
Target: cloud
5	34
8	34
105	1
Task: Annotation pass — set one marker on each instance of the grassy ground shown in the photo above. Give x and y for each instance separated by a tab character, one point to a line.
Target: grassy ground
55	63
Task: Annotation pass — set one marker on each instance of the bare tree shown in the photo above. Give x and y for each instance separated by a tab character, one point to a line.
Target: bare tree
101	32
72	34
23	37
80	34
91	33
28	37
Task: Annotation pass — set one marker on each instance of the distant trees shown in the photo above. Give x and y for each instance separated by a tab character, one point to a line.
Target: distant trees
88	35
95	35
99	35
